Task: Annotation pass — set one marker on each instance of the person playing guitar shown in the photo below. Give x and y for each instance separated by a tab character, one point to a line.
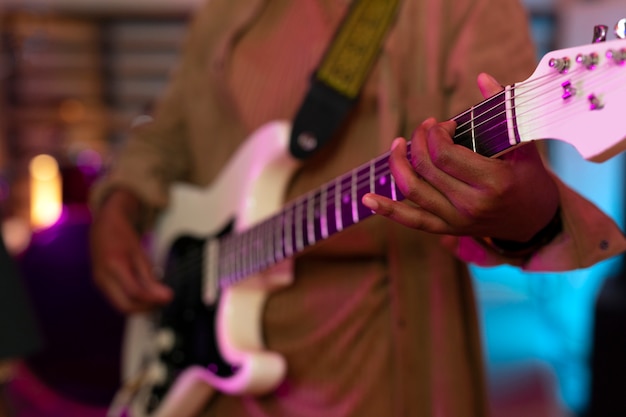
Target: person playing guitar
271	288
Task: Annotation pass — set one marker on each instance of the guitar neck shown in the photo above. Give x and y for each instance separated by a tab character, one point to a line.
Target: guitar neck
489	128
486	129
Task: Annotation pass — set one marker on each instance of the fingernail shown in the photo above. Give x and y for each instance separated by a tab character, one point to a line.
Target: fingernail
395	143
370	202
492	79
430	122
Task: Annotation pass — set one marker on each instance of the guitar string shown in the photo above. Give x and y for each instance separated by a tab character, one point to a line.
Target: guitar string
291	208
345	187
554	120
557	98
347	184
599	81
548	79
532	93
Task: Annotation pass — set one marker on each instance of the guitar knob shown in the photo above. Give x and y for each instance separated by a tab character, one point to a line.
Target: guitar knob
165	340
599	33
157	374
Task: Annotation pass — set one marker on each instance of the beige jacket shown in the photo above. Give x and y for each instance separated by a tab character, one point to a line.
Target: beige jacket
380	320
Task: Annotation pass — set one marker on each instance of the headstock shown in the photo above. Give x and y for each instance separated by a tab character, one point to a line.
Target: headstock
578	95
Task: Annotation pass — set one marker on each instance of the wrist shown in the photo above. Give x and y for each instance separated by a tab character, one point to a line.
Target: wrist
514	249
125	202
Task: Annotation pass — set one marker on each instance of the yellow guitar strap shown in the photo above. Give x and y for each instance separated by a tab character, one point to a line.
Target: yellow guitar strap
337	82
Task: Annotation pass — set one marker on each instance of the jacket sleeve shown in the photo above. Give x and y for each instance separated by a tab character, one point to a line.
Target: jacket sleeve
588	237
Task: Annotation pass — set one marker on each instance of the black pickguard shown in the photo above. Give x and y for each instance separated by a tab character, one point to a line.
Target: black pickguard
192	321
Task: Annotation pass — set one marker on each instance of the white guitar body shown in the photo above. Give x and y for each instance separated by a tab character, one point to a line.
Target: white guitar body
576	95
250	188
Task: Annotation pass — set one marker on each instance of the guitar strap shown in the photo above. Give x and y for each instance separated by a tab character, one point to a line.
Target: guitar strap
337	82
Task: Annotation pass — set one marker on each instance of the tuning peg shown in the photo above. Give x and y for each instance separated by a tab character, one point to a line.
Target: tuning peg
617	55
599	33
620	29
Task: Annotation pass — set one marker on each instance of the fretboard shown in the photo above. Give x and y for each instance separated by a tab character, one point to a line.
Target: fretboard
486	128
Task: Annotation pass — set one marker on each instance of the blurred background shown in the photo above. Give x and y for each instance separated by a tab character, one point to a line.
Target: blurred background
75	74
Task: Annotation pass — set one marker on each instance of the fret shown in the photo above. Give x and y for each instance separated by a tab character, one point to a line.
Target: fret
270	250
511	117
381	184
293	230
464	131
364	175
383	181
254	249
236	248
262	246
338	208
298	226
247	253
485	129
267	247
323	216
394	188
279	246
373	180
260	257
304	222
252	253
288	239
298	219
268	243
258	247
347	218
330	208
238	259
353	196
492	128
473	129
372	177
318	213
310	220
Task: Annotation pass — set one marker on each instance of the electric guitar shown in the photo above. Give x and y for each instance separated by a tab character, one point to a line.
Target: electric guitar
224	249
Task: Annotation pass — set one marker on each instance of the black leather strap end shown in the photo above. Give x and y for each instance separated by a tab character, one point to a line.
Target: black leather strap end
320	116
